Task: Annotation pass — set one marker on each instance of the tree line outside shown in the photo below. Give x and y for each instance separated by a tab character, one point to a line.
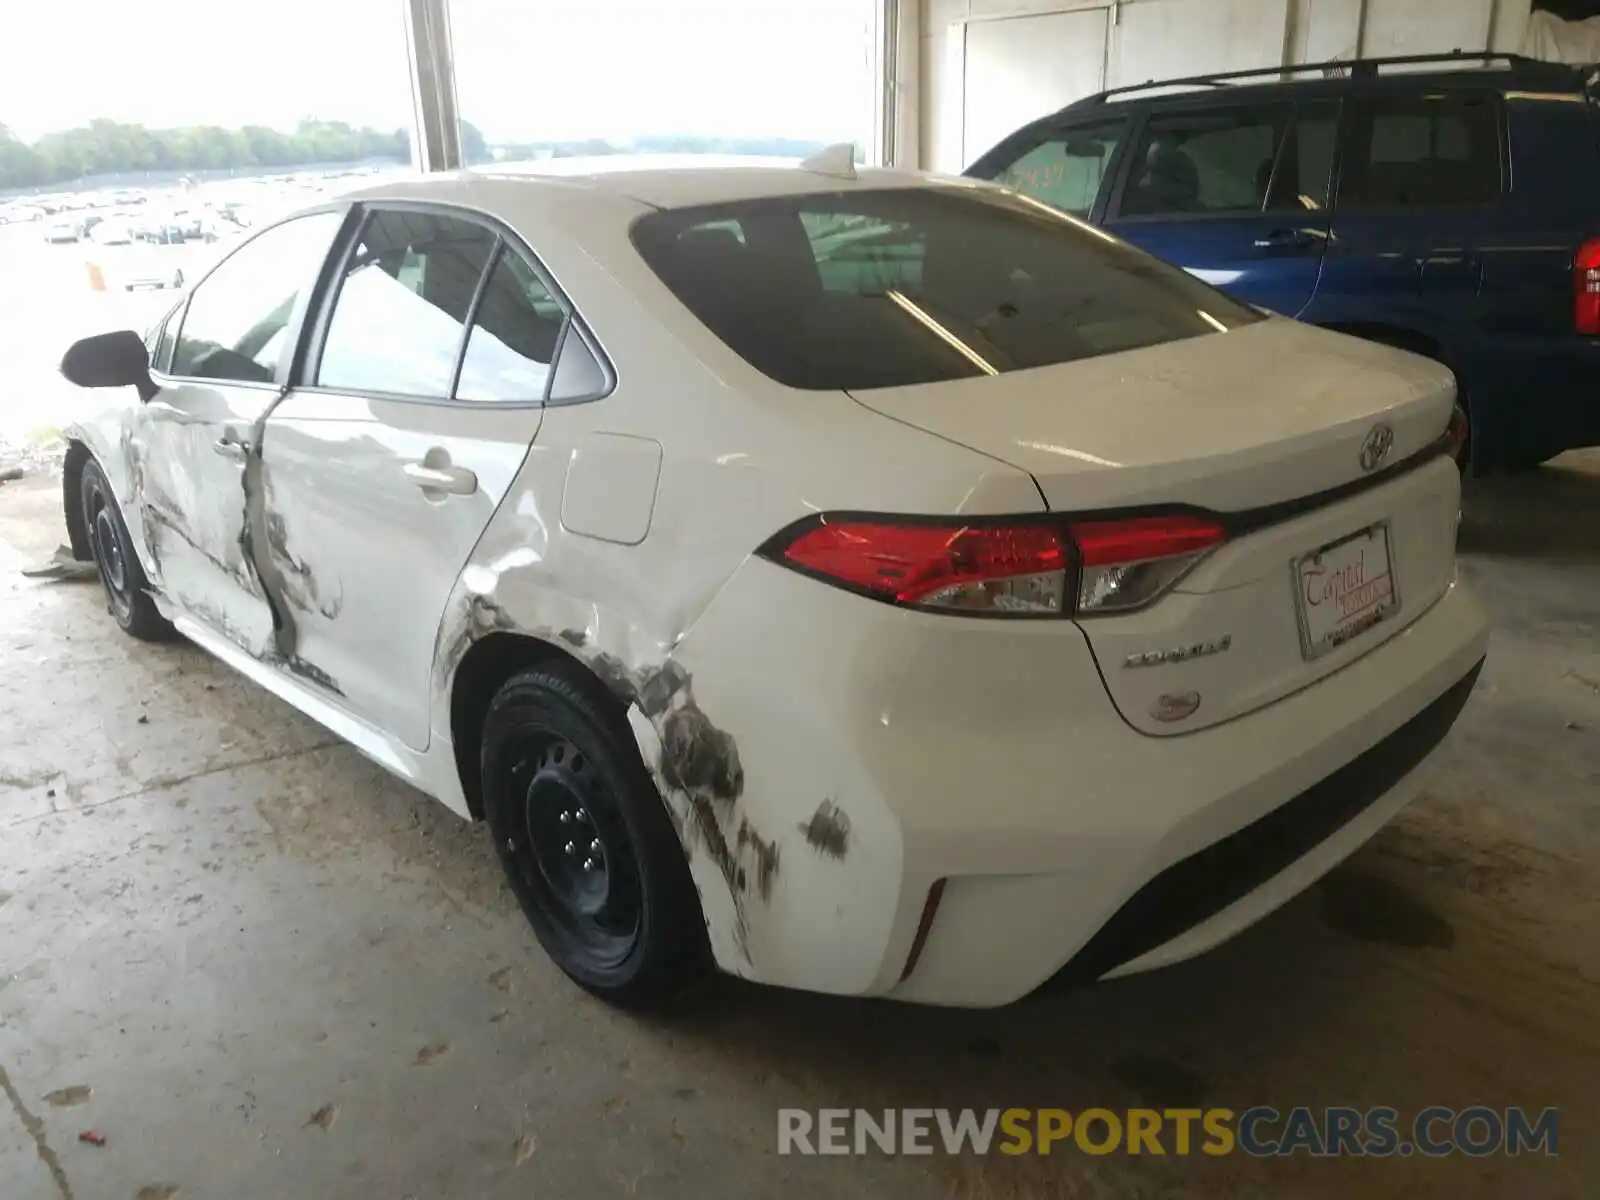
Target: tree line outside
116	148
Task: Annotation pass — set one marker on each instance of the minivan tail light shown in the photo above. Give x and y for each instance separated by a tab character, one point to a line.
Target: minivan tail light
1026	567
1128	563
1586	289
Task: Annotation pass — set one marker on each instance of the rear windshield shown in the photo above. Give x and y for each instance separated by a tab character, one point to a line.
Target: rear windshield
870	289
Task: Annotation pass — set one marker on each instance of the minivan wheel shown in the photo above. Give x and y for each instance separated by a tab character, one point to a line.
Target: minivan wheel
127	597
585	841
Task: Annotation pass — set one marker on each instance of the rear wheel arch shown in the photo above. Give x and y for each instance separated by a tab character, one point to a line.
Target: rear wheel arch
488	664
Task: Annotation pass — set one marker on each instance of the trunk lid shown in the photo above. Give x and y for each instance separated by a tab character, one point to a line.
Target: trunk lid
1260	416
1267	412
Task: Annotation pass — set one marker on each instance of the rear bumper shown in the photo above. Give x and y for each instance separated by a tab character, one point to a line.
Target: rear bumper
987	755
1195	903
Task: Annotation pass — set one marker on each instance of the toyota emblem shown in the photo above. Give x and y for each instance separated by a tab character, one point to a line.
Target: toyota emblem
1380	440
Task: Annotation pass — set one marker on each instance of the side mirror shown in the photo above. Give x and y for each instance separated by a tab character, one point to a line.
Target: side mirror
110	360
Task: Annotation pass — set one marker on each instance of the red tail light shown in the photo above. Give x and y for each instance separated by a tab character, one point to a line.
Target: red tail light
1026	567
1000	568
1586	289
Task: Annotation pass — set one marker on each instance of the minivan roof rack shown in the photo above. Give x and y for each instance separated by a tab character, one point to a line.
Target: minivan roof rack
1356	68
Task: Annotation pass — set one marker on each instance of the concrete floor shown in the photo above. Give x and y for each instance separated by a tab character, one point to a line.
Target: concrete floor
261	968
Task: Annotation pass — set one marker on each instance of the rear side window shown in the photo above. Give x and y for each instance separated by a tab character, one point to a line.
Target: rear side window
1420	151
1191	163
867	289
1066	169
1305	163
514	336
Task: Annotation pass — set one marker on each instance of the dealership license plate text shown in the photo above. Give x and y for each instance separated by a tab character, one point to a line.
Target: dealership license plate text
1344	589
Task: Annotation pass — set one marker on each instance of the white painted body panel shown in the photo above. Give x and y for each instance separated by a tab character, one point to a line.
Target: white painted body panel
1228	421
988	757
366	555
621	533
191	504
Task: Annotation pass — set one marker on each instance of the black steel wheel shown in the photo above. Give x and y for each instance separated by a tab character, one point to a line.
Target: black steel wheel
585	840
127	597
573	849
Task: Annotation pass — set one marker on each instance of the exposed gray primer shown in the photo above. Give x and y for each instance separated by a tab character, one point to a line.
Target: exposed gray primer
258	575
698	771
828	831
475	618
300	587
285	634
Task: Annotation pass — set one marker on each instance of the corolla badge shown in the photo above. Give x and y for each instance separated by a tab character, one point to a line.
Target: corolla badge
1178	654
1380	440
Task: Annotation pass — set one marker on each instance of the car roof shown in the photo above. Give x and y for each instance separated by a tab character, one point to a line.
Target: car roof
627	181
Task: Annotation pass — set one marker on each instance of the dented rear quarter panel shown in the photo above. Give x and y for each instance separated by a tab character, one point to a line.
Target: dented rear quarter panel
782	849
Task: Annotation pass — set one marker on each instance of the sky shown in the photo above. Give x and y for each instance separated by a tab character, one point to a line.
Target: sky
526	69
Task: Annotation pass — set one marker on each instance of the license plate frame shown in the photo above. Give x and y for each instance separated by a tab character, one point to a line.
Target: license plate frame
1314	646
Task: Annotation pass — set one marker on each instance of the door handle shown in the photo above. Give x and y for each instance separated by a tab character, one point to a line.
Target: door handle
1290	239
456	481
230	449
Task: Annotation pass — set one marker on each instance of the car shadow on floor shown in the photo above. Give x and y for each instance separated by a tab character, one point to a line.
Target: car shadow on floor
1551	514
1181	1037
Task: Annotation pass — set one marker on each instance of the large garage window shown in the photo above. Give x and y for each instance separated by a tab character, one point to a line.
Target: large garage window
878	289
717	77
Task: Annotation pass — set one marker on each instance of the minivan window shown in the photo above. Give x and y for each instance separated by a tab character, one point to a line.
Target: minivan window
868	289
1066	168
1203	162
1416	151
401	309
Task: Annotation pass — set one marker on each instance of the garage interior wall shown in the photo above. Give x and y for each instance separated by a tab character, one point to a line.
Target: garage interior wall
985	67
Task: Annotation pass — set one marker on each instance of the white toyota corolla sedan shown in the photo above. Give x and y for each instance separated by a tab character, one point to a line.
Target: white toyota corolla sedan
872	583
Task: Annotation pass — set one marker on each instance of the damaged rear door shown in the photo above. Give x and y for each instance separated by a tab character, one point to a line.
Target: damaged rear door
220	368
424	378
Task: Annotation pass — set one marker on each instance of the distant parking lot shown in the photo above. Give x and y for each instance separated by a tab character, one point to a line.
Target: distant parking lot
47	301
53	291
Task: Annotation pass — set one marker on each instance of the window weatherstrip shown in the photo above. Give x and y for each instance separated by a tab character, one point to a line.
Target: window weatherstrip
489	269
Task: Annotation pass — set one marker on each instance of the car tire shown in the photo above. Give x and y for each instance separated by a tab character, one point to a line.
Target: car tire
586	842
127	595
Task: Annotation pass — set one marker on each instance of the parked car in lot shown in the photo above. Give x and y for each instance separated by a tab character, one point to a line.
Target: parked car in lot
866	583
1443	204
131	267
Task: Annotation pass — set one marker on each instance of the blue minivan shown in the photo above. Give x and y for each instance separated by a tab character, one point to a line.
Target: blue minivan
1445	204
